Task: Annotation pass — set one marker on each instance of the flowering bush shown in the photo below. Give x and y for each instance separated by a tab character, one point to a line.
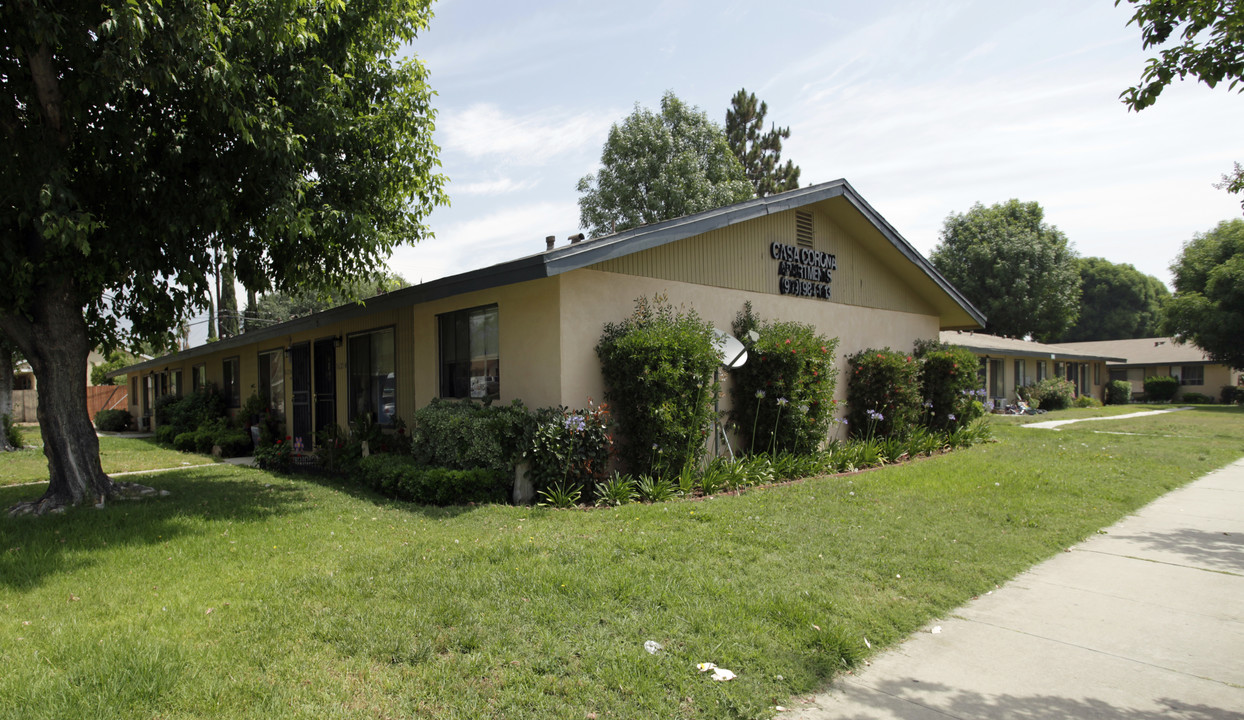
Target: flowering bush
783	396
276	456
1052	393
886	383
658	368
570	449
949	386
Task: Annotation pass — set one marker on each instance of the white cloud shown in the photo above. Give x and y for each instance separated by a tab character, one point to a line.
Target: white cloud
484	131
499	186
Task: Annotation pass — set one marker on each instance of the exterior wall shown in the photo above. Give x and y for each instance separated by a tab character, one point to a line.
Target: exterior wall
530	360
1215	377
529	346
591	298
737	258
1096	375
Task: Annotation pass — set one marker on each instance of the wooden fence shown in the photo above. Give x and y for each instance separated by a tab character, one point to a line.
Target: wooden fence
101	397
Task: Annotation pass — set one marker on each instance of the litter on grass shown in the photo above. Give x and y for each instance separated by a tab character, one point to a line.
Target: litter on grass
719	674
652	646
937	630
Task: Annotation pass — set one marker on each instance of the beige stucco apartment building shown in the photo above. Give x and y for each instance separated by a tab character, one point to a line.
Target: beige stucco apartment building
1152	357
1007	364
527	329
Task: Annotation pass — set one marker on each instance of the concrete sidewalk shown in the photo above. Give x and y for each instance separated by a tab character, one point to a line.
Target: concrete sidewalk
1145	621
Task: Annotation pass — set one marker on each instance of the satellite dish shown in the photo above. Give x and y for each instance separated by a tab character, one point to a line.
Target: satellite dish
732	352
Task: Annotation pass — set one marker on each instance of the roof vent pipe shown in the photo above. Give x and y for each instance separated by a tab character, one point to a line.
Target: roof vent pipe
548	242
576	238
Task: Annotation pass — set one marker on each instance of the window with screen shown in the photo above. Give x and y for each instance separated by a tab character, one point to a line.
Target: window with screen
272	379
373	384
470	362
230	383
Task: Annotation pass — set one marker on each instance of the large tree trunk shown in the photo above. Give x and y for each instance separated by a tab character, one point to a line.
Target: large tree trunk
55	343
6	391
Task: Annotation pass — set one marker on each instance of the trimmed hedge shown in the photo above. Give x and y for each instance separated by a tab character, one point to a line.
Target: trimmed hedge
1196	398
467	435
658	368
1118	392
113	420
784	394
950	387
1161	388
1231	395
402	477
1053	393
883	393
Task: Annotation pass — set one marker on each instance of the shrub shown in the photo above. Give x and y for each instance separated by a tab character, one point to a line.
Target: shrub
1087	401
113	420
570	448
949	387
11	432
186	442
1118	392
658	369
190	412
883	393
1161	388
277	456
784	393
402	477
466	435
1231	394
256	412
1053	393
1196	398
234	443
166	434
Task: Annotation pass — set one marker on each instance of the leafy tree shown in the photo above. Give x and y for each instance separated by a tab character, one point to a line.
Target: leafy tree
227	317
1117	302
760	152
114	360
1210	48
139	136
1018	270
658	166
278	306
1208	306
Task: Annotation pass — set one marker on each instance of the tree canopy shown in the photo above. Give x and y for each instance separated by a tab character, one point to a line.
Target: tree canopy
1117	302
658	166
1208	306
1009	263
141	136
1210	48
759	151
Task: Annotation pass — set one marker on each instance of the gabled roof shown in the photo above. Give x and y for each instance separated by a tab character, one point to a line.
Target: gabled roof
983	344
1146	351
838	197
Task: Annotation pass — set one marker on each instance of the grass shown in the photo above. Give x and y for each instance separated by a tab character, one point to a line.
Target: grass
248	595
116	454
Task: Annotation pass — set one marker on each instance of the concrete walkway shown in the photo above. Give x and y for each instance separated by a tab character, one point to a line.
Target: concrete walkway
1055	424
1144	621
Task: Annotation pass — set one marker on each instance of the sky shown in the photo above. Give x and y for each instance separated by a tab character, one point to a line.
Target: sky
926	108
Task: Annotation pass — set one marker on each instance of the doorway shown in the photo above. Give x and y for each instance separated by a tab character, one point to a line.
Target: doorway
325	375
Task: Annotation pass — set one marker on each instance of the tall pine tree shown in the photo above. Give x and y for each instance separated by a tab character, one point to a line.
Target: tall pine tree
759	151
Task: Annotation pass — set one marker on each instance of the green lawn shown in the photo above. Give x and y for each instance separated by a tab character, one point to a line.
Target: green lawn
117	454
247	595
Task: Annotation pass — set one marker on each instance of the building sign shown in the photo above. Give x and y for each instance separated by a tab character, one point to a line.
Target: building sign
803	272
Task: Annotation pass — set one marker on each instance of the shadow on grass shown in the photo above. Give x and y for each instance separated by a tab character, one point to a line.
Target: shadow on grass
346	486
910	698
32	549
